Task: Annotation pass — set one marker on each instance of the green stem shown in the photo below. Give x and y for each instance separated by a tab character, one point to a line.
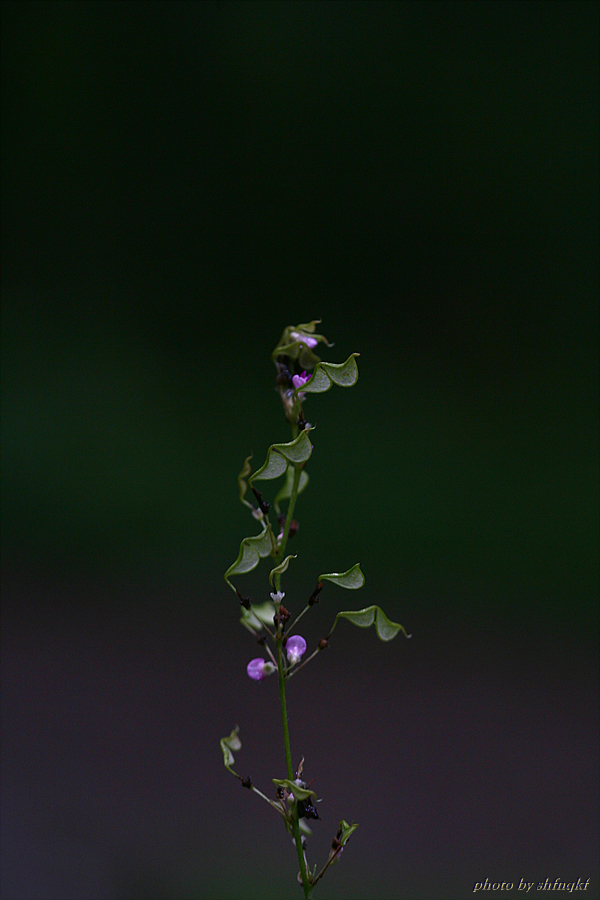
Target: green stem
286	731
306	885
290	772
288	519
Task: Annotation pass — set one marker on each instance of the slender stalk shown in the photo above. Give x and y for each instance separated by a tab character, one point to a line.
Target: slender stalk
326	866
270	652
288	518
297	619
303	663
270	802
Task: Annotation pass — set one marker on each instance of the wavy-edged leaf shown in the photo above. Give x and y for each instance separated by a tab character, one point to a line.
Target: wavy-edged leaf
281	568
352	579
242	484
299	792
285	492
364	618
252	550
325	374
258	615
280	455
228	744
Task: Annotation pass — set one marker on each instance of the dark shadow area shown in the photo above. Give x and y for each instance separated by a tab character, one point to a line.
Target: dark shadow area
180	181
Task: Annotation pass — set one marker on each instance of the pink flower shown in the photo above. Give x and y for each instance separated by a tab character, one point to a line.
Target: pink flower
295	648
258	669
299	380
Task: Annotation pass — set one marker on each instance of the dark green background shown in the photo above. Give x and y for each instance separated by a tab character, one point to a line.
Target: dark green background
182	180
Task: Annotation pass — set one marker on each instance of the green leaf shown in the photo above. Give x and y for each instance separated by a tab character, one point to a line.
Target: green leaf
352	579
299	792
281	568
243	486
259	615
228	744
280	455
325	374
364	618
285	492
252	550
345	830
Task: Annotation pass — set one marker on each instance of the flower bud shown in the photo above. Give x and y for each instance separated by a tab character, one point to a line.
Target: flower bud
295	647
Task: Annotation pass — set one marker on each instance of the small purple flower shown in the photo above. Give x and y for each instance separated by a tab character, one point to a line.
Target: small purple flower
304	339
300	380
258	669
294	649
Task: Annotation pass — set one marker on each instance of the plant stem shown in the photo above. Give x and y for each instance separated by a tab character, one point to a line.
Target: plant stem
288	519
290	772
306	885
284	718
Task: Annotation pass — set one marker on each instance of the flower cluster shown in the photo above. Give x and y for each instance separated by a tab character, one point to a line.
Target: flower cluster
259	668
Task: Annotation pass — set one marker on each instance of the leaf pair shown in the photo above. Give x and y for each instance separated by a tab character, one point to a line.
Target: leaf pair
279	456
364	618
325	374
252	550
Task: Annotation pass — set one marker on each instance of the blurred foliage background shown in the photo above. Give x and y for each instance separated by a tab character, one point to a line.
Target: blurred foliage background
181	180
